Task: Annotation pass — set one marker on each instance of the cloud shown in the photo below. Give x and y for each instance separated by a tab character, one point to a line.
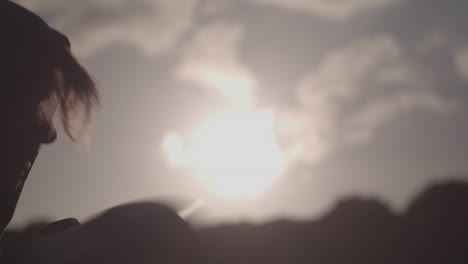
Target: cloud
438	39
363	123
152	25
211	60
434	40
354	90
216	7
304	135
461	62
393	75
333	10
339	74
346	99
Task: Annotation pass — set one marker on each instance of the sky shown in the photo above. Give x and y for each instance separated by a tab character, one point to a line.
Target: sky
255	110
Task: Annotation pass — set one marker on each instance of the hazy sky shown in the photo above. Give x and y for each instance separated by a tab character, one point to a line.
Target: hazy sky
306	100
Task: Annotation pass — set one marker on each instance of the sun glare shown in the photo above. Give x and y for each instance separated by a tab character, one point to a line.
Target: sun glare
236	153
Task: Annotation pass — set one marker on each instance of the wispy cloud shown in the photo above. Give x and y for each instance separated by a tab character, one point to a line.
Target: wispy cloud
333	10
347	98
443	40
211	60
363	124
324	91
432	40
341	72
354	90
152	25
215	7
461	62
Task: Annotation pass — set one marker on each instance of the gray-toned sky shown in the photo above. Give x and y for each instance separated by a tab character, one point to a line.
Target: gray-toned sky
325	99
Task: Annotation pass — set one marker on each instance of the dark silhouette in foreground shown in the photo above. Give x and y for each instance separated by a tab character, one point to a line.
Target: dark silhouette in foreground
39	77
433	229
142	232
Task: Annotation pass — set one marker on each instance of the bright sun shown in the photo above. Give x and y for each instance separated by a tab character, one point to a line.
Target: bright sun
236	153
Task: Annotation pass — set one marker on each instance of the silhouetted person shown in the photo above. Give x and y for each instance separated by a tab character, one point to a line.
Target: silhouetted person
38	77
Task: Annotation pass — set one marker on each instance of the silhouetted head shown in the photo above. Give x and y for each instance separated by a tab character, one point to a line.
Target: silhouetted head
38	76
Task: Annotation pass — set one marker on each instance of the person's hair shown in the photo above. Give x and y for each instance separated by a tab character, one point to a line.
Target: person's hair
77	93
36	63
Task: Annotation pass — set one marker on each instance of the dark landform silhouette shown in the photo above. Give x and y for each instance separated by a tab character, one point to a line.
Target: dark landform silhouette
432	229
